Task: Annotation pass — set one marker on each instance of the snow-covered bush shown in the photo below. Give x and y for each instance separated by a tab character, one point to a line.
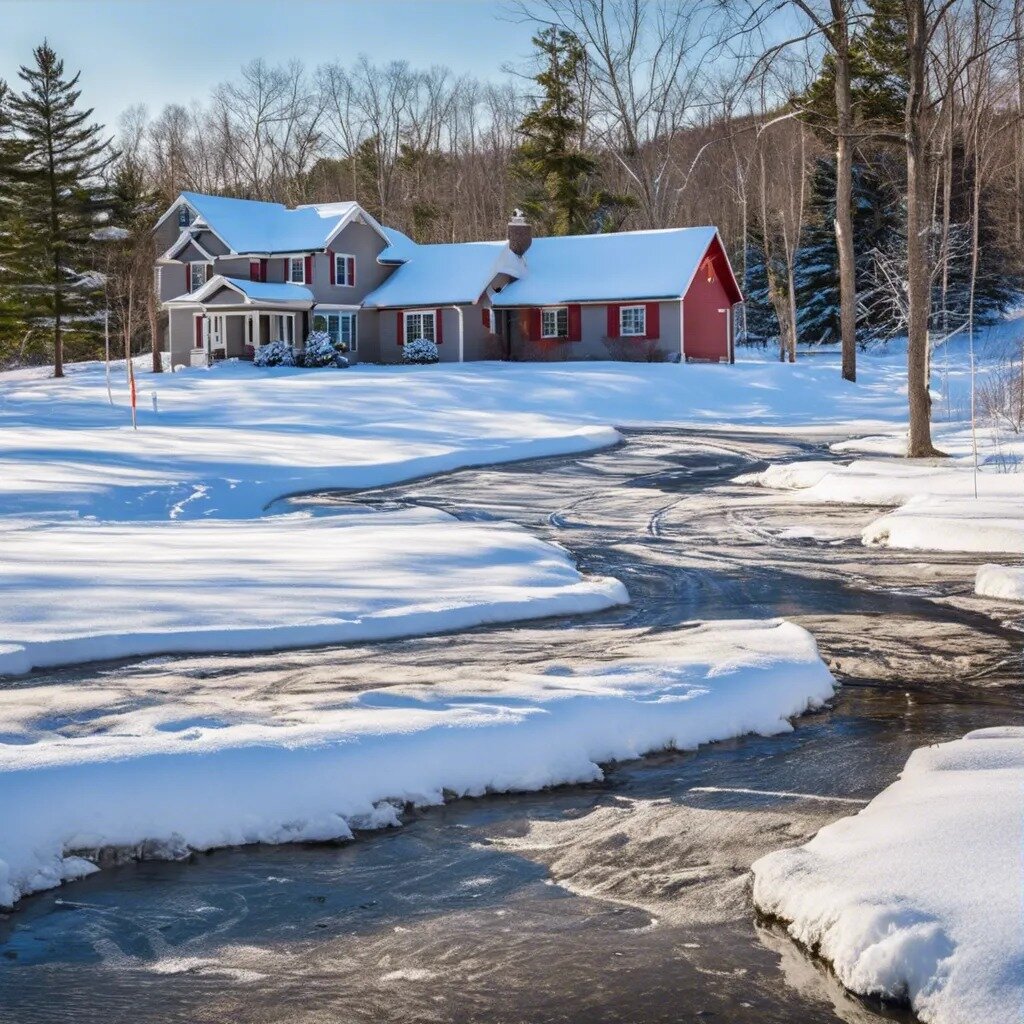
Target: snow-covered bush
421	350
277	353
320	350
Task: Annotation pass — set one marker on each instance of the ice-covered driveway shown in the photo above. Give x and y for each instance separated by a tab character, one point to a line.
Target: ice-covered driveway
224	442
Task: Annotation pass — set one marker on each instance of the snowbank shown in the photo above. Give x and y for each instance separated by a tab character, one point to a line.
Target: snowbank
159	773
928	523
918	897
886	481
1003	582
73	592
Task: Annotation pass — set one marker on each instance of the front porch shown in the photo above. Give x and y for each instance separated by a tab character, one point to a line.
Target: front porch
238	333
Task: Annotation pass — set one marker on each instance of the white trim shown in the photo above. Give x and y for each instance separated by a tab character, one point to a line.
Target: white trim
198	263
344	256
406	313
292	260
334	307
633	334
357	212
180	243
728	264
555	310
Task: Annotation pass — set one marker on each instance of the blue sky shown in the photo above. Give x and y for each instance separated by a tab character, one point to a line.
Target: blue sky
132	51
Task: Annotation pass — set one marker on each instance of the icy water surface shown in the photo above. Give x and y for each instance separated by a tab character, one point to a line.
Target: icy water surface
621	902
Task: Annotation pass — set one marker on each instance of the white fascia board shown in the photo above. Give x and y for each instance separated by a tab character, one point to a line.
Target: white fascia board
357	212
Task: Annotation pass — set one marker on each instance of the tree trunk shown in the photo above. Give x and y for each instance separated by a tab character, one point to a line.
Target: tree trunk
844	194
919	207
151	313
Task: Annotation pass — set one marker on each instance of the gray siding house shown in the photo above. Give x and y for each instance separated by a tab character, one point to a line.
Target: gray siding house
235	274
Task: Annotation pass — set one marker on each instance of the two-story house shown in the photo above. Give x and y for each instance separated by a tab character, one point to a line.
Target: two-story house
235	274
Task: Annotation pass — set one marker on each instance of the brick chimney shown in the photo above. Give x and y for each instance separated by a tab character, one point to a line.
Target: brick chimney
520	233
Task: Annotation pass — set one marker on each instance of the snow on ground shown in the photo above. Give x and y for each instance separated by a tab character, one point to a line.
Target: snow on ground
74	592
1004	582
131	763
221	445
225	442
928	523
917	897
939	510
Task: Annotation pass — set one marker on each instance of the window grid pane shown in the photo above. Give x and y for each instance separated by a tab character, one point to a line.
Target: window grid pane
555	323
633	321
298	271
419	325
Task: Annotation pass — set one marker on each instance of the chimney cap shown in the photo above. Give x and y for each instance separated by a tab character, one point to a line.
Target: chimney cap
518	217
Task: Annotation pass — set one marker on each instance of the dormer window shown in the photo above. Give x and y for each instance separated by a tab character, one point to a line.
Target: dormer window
183	219
297	270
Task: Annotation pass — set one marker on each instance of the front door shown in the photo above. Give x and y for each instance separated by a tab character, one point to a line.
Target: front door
218	341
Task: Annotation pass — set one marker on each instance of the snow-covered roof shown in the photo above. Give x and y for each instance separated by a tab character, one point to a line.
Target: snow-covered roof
251	291
444	275
400	247
250	226
607	267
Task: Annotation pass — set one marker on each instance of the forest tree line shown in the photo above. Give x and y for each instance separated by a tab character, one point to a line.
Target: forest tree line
863	160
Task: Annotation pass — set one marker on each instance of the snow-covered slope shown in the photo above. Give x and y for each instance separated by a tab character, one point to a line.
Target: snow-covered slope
159	771
918	897
1003	582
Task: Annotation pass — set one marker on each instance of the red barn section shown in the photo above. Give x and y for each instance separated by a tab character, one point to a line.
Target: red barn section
707	305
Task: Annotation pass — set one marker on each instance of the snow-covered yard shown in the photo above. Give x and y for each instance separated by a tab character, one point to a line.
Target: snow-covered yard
918	897
131	765
1003	582
83	591
226	441
89	502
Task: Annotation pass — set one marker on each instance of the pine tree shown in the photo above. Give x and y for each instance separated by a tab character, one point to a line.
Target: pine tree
559	179
62	159
12	229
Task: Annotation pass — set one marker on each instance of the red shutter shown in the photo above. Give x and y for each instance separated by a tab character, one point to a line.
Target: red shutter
350	263
400	335
439	326
653	318
188	279
287	273
334	267
575	323
309	270
486	319
613	320
254	270
199	331
263	269
534	325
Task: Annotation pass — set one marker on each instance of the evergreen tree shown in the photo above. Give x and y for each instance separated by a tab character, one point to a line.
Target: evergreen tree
12	231
63	156
557	177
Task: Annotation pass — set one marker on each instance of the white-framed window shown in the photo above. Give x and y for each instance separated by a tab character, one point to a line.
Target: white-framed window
554	322
420	325
633	321
297	270
197	275
343	327
344	269
183	219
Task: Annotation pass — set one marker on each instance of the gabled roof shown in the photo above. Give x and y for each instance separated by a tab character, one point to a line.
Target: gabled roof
609	267
444	275
249	291
248	226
